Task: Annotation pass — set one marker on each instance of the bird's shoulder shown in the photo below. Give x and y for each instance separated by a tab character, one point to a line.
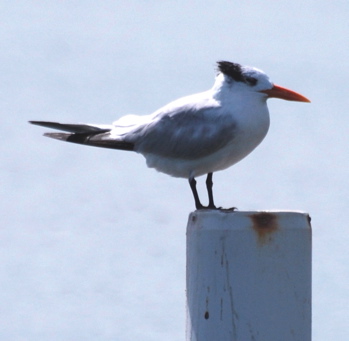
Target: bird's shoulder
188	105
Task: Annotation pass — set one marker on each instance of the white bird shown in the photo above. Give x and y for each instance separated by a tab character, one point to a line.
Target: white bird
194	135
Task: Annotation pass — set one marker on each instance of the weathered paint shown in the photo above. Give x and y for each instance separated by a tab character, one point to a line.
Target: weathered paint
264	224
248	276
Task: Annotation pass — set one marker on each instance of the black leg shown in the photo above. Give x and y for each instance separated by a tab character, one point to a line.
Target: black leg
209	185
192	183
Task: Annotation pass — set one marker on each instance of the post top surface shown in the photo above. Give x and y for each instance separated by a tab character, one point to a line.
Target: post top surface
259	220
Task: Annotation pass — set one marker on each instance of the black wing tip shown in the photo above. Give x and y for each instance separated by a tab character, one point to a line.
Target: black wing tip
41	123
35	122
87	139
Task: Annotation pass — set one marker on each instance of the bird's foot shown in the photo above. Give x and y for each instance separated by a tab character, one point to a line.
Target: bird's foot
213	207
231	209
208	207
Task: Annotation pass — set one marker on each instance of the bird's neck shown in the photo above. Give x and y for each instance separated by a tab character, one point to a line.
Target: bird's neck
221	85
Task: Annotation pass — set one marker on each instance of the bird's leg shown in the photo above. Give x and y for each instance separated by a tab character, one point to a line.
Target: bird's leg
192	183
209	185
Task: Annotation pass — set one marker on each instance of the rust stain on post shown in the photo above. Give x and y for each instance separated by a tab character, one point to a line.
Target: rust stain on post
264	224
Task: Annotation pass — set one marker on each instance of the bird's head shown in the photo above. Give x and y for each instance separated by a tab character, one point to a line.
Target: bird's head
256	80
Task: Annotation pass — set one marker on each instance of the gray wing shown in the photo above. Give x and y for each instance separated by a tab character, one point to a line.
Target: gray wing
187	134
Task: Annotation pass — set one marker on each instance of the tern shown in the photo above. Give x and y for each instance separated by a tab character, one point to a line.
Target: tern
194	135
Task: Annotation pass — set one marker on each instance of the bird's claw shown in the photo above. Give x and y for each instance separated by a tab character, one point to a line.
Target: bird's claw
231	209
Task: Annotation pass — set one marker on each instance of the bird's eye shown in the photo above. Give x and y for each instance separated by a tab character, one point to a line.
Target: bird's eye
251	81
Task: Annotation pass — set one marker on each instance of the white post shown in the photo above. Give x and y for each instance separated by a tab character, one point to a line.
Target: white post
248	276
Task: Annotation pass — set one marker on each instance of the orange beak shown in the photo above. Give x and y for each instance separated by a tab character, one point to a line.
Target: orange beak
283	93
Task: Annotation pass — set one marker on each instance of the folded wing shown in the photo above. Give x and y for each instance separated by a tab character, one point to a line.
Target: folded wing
88	134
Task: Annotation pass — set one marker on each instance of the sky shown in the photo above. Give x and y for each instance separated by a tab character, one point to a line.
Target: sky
92	242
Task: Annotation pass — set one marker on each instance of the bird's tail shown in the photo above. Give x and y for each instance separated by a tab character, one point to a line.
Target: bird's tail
91	135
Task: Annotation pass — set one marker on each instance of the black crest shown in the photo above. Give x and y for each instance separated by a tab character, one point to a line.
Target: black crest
235	71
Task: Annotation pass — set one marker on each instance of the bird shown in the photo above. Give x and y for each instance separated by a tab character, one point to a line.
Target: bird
195	135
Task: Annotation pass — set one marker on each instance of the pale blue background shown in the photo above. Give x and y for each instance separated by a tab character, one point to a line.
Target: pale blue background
92	243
